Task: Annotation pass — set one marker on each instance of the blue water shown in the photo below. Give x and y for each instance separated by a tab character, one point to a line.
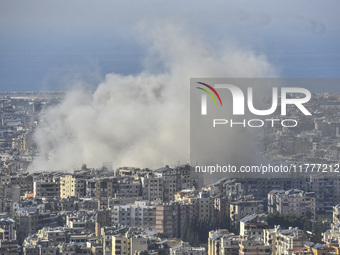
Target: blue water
38	70
56	72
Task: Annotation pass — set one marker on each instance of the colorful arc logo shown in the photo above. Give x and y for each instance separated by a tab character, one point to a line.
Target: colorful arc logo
209	93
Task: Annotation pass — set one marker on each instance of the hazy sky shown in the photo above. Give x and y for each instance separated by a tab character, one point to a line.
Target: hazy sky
138	56
48	44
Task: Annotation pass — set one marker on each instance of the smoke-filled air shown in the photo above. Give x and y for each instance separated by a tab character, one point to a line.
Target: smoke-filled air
139	120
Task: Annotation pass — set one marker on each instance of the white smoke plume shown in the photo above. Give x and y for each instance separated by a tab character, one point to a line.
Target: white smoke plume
139	120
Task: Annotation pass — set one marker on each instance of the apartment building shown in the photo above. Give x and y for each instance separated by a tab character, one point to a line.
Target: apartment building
46	186
250	246
140	214
238	209
7	228
253	225
284	241
104	190
72	186
297	202
129	243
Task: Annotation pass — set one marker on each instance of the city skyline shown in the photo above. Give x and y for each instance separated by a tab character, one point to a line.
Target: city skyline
167	127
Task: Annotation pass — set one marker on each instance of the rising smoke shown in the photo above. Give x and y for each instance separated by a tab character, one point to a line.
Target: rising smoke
139	120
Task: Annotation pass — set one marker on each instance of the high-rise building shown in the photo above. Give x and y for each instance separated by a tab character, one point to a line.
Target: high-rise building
167	219
104	190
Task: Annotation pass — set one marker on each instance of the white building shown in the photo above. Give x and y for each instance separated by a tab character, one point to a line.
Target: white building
140	214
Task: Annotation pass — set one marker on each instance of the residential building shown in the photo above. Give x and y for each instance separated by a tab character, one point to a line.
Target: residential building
297	202
140	214
72	186
253	225
250	246
221	241
240	208
167	219
46	186
129	243
7	228
104	190
284	241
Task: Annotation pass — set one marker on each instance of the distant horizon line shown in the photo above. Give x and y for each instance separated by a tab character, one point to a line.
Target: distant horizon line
32	91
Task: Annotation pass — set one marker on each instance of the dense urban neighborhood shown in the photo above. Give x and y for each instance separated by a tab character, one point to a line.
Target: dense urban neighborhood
172	209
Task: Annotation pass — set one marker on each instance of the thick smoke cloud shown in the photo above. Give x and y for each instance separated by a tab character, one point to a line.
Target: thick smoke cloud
140	120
